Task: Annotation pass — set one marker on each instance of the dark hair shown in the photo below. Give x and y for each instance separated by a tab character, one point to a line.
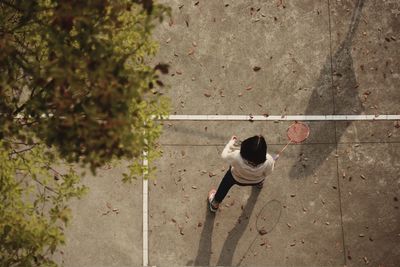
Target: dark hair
254	149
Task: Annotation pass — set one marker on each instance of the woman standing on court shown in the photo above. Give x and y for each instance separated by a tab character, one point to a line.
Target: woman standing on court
250	164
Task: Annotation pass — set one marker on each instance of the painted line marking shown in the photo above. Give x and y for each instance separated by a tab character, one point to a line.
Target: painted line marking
279	118
145	210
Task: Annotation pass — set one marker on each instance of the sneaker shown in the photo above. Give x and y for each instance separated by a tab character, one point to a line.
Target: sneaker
211	194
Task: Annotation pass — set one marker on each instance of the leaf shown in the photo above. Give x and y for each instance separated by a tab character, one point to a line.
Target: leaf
256	68
262	232
164	68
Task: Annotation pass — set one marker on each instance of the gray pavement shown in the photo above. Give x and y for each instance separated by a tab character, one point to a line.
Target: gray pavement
331	201
106	229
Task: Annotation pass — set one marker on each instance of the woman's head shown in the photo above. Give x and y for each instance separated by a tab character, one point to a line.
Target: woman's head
254	149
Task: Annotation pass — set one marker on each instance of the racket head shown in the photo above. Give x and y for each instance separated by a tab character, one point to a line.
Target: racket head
298	132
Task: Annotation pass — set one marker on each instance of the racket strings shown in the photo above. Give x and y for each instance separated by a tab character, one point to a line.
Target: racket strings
298	132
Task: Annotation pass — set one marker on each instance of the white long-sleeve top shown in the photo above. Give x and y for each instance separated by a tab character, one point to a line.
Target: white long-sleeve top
243	172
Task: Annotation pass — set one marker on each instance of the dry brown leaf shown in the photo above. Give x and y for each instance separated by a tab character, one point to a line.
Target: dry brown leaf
211	174
262	232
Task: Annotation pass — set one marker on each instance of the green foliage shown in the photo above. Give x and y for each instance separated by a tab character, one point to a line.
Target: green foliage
76	71
75	87
33	205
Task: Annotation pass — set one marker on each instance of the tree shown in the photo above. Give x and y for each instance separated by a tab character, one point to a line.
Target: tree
75	87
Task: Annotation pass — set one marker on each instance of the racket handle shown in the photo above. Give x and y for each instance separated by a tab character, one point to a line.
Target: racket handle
285	147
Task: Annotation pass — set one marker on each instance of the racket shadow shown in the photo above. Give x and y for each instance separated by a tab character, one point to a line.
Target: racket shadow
341	83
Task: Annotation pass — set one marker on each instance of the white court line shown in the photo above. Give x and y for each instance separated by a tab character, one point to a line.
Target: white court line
145	211
280	118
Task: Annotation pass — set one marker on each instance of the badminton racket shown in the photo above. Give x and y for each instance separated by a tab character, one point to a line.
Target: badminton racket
297	133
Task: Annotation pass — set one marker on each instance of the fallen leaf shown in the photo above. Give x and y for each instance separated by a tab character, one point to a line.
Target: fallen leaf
256	68
108	205
248	88
199	224
181	230
194	44
194	187
191	52
179	72
168	40
262	232
240	94
362	177
207	94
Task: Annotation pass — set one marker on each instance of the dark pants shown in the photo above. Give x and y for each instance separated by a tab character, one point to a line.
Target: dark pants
227	182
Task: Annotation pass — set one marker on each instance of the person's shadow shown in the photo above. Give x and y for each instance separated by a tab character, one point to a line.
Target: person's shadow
225	259
336	86
204	251
229	247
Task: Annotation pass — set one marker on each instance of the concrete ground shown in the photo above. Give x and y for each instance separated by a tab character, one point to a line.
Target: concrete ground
332	201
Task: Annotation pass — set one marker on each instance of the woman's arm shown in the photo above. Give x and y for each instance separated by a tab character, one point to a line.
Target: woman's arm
230	152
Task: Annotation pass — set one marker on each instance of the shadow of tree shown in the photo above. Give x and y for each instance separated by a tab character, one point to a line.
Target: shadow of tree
338	72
